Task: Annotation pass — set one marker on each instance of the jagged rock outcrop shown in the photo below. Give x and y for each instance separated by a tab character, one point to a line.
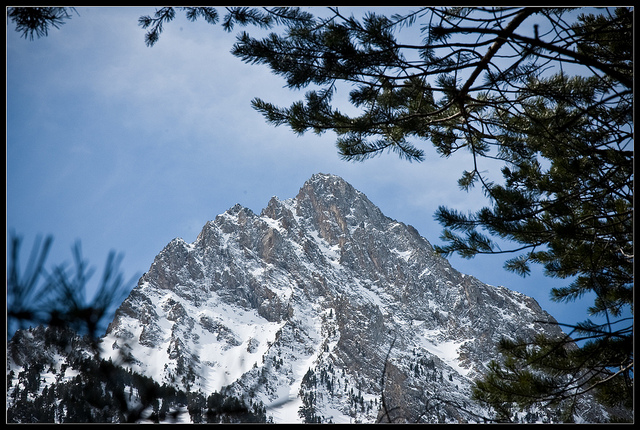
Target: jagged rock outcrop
301	304
317	307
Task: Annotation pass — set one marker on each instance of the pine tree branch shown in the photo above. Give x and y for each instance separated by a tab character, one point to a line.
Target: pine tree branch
551	47
503	36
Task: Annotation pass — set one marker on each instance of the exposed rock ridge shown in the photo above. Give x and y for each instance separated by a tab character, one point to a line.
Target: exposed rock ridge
300	305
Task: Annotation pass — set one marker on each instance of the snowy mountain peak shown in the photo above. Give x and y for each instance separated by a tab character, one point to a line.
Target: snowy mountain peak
335	209
332	190
307	305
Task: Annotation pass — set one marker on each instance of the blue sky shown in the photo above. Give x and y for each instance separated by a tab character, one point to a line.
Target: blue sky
126	147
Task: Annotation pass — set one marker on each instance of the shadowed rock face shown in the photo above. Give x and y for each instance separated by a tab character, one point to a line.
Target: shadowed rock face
320	304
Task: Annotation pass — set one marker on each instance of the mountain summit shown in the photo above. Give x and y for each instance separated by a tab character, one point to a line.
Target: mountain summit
321	284
324	310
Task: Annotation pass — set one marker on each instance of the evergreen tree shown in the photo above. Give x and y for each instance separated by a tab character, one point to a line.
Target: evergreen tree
548	93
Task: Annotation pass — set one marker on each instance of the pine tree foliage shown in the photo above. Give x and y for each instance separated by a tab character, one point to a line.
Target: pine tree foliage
57	296
549	374
37	21
167	14
546	92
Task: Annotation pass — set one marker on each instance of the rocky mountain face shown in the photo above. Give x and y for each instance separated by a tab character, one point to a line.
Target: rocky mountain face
324	310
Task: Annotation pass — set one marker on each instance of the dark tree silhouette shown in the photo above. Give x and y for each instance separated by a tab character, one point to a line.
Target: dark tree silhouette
57	297
37	20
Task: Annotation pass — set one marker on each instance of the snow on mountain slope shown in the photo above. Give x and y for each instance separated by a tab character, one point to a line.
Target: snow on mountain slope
316	307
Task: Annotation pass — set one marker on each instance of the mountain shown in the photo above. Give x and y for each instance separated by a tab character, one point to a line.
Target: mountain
321	309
